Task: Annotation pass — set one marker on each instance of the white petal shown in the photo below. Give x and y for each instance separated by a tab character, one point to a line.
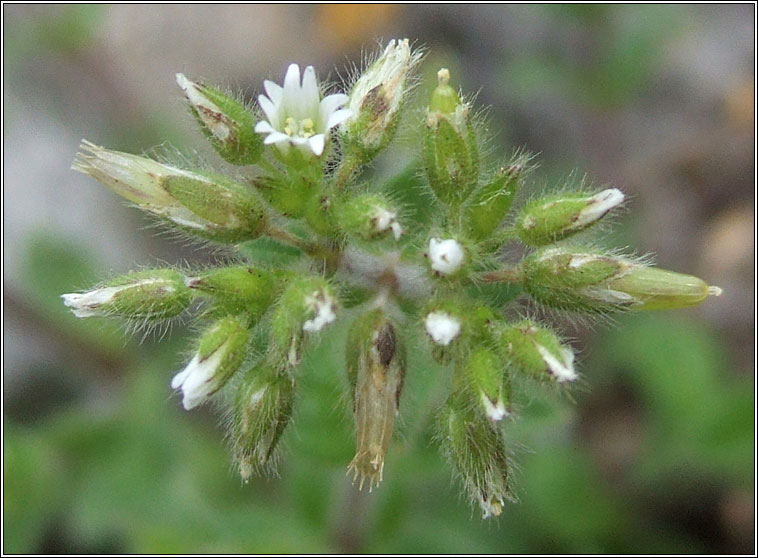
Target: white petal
179	378
338	117
599	205
330	103
561	371
291	101
264	127
276	137
317	143
309	92
274	91
446	256
272	114
196	380
495	411
292	80
442	327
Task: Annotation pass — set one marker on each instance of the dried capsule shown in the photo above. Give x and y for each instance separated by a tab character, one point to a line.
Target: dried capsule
376	361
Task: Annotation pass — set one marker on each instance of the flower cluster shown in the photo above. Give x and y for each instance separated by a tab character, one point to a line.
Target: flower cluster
302	152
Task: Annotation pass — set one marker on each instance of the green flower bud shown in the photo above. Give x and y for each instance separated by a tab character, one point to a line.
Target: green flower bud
261	410
596	283
476	449
490	204
210	206
286	193
221	351
549	220
376	100
484	370
444	98
155	294
369	217
225	121
449	151
238	289
537	352
659	289
376	362
306	306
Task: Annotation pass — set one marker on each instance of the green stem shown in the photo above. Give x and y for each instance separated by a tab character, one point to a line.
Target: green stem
511	275
349	163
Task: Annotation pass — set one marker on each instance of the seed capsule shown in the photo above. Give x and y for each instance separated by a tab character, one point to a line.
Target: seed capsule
376	362
476	449
261	411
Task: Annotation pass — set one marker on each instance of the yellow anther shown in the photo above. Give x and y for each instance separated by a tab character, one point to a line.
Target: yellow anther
290	127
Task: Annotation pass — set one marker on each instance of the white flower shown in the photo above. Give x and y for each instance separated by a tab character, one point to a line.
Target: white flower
442	327
445	256
296	114
197	380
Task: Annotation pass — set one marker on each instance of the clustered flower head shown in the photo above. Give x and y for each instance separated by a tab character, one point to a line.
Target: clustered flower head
299	190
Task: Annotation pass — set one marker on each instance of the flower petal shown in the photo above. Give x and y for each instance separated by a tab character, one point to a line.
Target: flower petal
309	92
274	91
316	144
264	127
338	117
270	110
328	105
276	137
291	95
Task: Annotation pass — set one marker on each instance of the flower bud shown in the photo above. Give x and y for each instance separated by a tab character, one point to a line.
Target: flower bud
444	324
376	100
225	121
376	362
476	449
210	206
221	350
369	217
446	256
154	295
307	306
490	204
484	370
596	283
442	327
261	411
549	220
449	151
537	352
238	289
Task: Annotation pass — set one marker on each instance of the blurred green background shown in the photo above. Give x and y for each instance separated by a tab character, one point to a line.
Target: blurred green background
656	454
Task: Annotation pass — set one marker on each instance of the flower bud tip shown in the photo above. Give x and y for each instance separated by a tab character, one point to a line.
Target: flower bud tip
446	256
442	327
443	76
715	291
